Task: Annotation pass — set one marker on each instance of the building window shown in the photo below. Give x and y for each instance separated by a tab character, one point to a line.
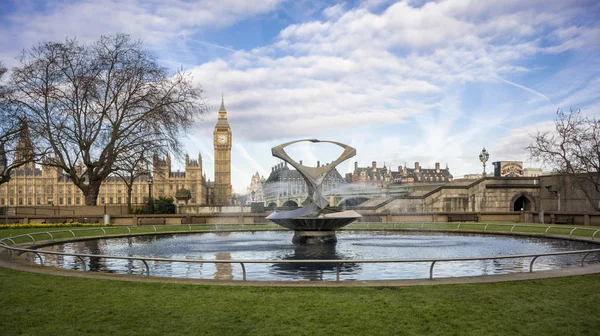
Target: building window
12	201
135	200
39	201
20	201
119	200
29	201
110	200
1	201
69	200
77	200
101	200
61	200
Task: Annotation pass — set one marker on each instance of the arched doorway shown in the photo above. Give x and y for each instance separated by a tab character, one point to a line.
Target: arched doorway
290	203
272	205
522	203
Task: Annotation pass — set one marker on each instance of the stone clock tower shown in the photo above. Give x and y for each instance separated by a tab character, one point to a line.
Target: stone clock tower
222	146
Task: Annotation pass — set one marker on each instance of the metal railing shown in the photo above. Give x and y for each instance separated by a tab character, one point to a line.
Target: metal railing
432	261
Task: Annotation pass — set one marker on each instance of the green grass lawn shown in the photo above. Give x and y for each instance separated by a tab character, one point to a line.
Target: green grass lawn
39	304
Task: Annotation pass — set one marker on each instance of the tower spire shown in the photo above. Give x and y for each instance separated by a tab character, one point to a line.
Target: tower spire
222	110
24	149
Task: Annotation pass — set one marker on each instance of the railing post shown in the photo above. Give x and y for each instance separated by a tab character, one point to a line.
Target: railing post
30	236
595	234
512	228
485	228
571	233
337	272
103	231
147	267
190	227
243	271
431	270
154	226
458	227
583	259
73	233
548	228
39	256
531	264
83	263
128	229
51	236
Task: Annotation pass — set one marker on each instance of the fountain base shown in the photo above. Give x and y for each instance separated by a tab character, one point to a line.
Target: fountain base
314	237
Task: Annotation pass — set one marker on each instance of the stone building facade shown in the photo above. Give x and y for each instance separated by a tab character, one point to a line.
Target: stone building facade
286	187
371	176
421	175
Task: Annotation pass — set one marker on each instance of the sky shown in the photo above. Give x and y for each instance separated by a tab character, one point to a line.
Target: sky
426	81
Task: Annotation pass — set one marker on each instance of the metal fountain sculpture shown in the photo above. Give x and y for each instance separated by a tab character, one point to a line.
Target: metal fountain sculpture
315	222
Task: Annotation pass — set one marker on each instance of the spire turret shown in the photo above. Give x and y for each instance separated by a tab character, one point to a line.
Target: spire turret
222	110
24	150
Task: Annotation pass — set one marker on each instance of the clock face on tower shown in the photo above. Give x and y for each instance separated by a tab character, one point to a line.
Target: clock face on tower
222	139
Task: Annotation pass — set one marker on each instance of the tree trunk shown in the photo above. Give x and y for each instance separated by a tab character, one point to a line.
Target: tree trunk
129	190
91	197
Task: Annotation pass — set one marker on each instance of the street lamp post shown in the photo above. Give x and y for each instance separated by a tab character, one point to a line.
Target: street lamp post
150	201
483	157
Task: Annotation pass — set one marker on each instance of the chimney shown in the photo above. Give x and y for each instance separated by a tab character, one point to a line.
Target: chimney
374	164
300	162
417	167
318	164
355	165
437	167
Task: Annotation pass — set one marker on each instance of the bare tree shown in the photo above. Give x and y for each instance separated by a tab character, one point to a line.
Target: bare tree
133	167
573	149
12	127
93	105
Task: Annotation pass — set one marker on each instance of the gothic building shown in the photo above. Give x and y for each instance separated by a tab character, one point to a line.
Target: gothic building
255	189
31	185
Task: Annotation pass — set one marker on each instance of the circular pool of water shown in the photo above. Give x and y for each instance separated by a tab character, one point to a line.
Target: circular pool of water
351	245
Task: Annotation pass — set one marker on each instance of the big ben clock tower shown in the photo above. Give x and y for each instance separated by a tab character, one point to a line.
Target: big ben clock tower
222	146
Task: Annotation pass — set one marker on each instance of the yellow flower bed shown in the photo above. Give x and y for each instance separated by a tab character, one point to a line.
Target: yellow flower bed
50	225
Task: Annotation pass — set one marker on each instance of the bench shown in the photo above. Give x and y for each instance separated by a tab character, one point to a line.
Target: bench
57	220
87	220
193	220
564	220
152	221
463	218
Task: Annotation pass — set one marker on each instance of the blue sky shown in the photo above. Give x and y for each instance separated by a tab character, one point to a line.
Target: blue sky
400	81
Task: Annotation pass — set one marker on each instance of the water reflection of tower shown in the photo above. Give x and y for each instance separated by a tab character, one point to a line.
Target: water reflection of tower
223	270
223	234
